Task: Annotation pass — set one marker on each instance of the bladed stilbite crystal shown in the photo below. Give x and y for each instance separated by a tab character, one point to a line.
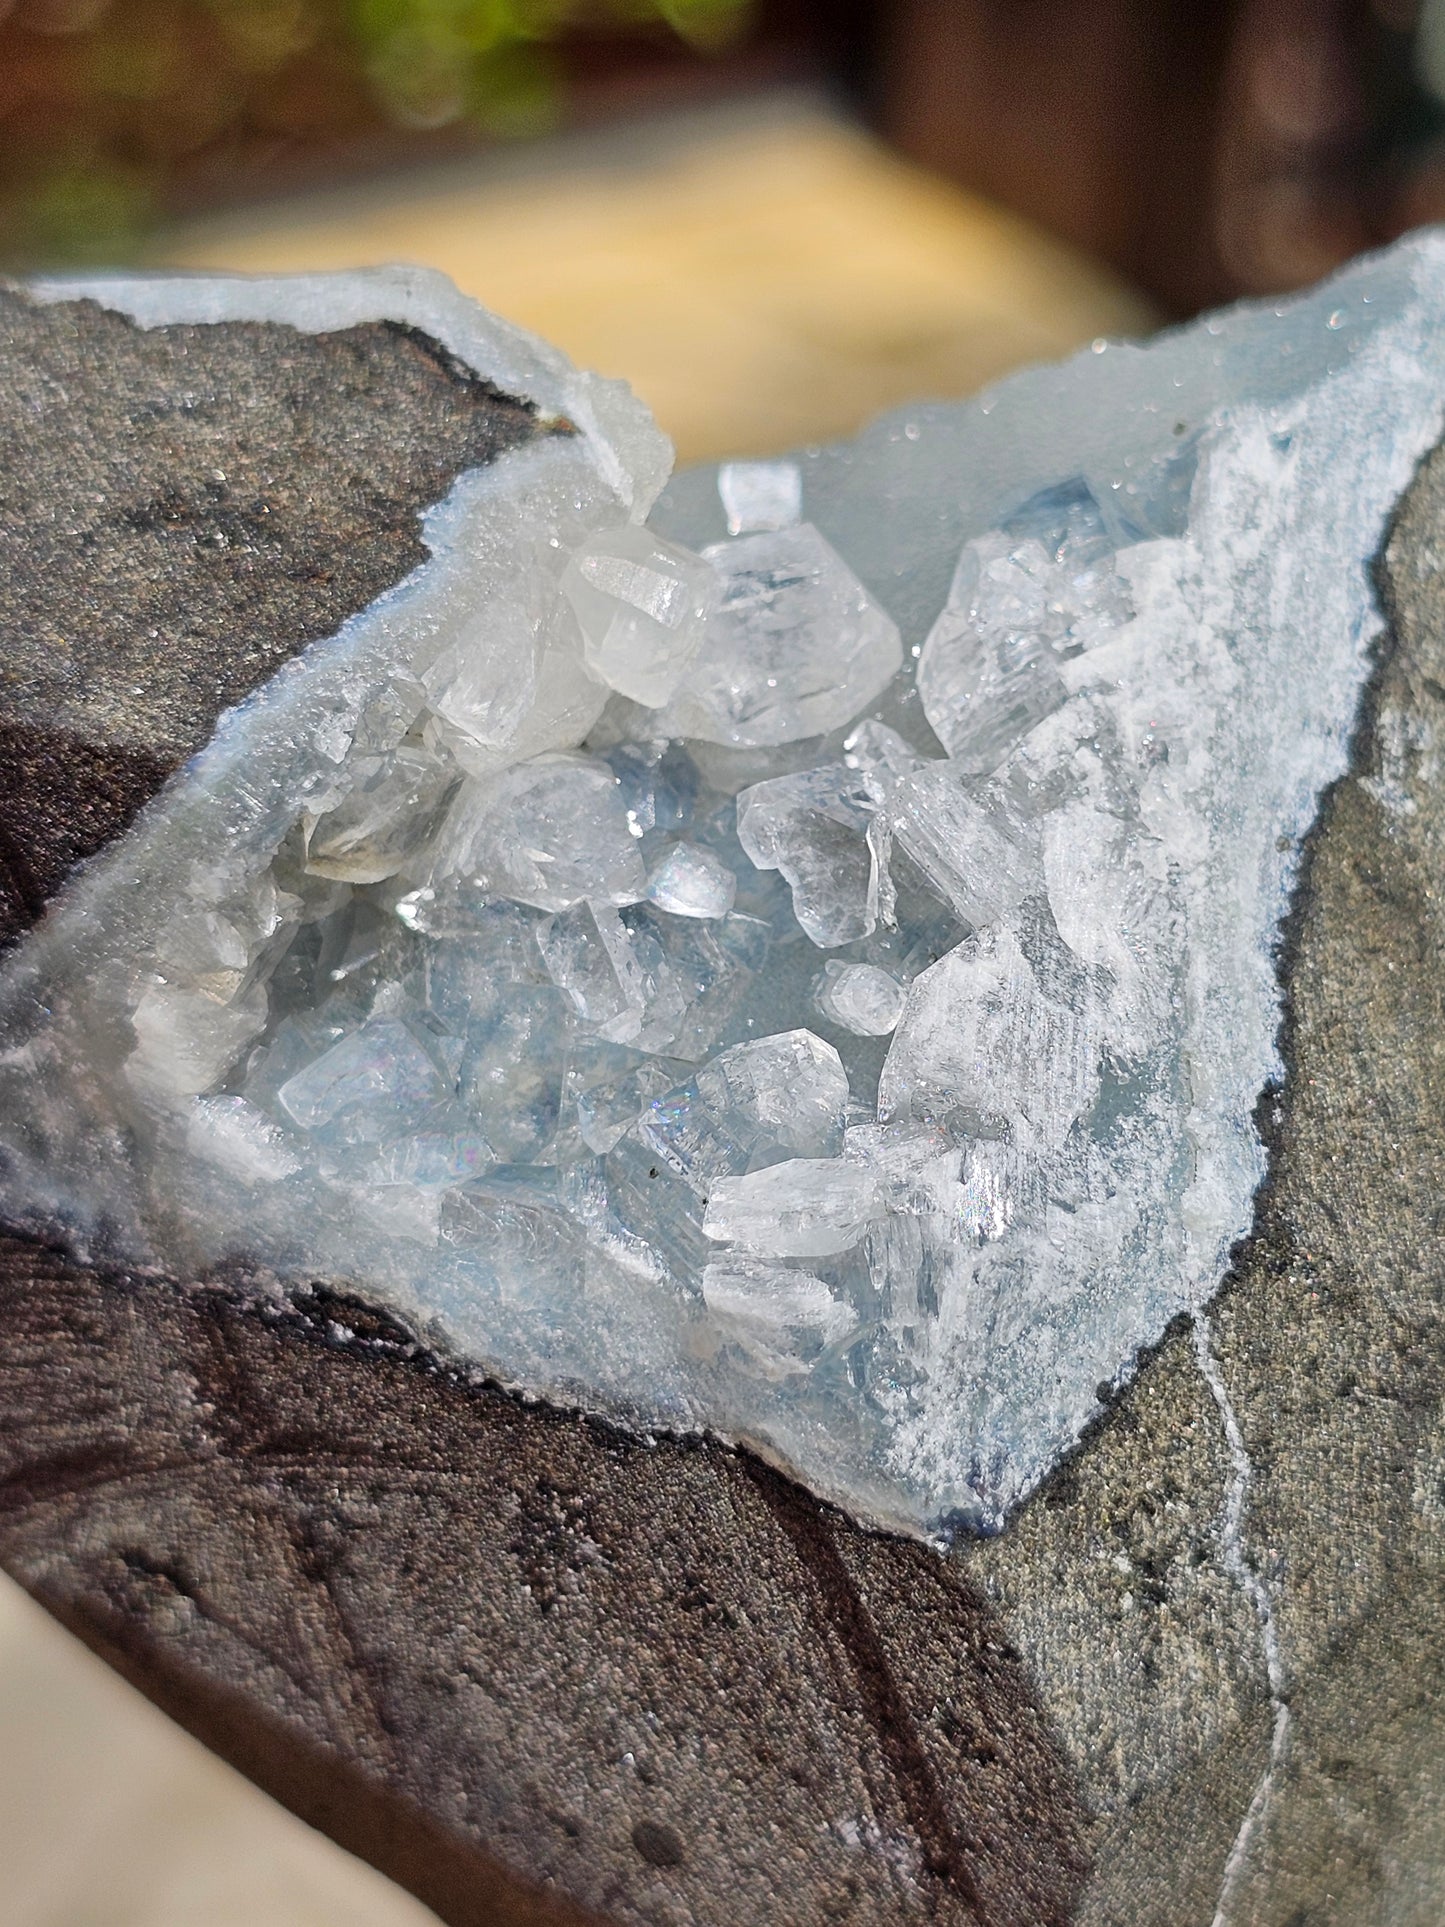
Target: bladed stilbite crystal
795	958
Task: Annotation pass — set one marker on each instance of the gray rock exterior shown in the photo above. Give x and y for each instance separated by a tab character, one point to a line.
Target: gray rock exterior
1330	1340
539	1672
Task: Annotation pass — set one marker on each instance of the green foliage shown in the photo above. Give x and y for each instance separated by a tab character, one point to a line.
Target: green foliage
126	92
92	213
435	61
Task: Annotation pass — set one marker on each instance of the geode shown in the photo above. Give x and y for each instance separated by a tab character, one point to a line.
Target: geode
794	958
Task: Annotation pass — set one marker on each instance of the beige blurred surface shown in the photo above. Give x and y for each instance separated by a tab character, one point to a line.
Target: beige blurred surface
764	276
110	1816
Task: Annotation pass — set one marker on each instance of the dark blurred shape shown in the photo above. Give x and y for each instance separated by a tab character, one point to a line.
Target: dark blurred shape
1206	150
114	113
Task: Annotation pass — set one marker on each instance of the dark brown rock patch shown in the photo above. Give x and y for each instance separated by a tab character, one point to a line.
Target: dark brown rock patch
525	1664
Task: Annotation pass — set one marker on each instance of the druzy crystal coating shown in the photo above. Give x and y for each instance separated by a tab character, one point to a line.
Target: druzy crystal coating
795	958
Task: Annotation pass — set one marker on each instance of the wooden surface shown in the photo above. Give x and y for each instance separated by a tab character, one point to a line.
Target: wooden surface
764	277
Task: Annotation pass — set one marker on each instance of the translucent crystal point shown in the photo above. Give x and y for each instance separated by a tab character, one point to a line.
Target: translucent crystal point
813	828
1025	599
514	1067
439	1160
988	1033
548	832
610	1097
880	756
803	1208
367	1085
756	1103
793	1085
589	953
659	784
385	818
691	882
972	845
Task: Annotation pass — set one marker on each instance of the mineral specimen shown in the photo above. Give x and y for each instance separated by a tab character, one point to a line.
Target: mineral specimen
795	957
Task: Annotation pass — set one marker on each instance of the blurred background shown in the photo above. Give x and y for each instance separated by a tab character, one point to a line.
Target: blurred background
776	218
827	205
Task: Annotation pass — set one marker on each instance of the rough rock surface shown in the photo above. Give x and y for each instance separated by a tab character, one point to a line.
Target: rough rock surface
662	1682
165	547
541	1674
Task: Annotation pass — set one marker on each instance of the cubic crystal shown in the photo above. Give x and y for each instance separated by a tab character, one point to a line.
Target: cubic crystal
861	997
761	496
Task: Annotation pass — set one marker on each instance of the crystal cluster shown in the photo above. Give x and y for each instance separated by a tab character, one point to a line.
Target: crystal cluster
801	966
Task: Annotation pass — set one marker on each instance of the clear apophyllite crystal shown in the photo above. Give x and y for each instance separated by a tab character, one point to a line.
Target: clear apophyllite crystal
861	998
802	967
642	605
692	882
795	646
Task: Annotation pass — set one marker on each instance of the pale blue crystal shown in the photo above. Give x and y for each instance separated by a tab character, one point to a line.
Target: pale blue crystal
611	1090
547	832
366	1086
760	496
589	953
1025	598
436	1160
659	784
513	1070
783	1320
753	1104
